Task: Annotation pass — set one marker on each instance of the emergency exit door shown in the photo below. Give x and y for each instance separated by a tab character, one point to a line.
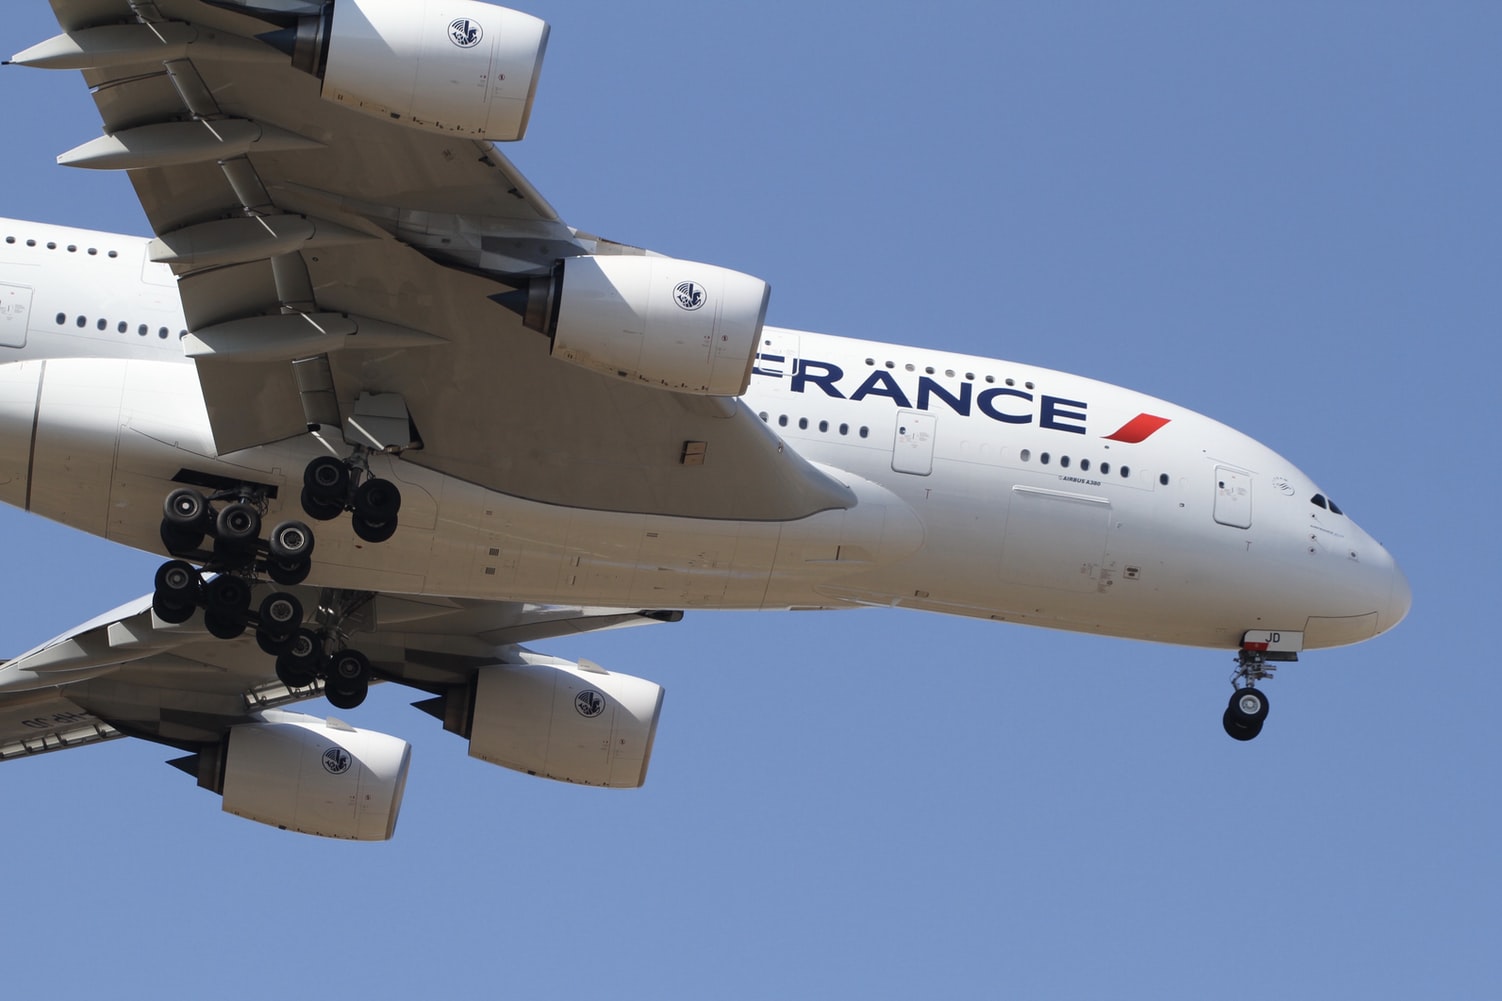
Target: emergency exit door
913	446
15	311
1233	497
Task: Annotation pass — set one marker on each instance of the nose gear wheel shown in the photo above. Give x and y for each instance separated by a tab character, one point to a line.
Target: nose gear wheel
1247	710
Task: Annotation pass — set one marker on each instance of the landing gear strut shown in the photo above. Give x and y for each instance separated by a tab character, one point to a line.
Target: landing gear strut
1247	710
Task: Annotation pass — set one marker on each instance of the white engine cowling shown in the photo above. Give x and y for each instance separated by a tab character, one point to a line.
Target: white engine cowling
670	324
304	774
449	66
565	721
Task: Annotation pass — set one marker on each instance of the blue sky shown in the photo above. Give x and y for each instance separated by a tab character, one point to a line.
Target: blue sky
1283	215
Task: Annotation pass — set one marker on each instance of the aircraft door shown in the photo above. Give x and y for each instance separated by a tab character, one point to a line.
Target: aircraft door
913	446
1233	497
777	358
15	309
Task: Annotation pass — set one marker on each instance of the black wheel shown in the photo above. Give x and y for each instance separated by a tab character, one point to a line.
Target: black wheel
272	643
227	594
372	532
1237	729
224	625
186	508
377	501
346	697
304	651
1248	706
280	614
290	542
180	540
320	510
292	672
288	574
238	526
171	611
327	479
349	667
178	583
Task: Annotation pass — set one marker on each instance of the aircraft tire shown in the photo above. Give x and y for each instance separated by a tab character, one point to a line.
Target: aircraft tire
178	583
1248	706
288	573
223	625
227	595
290	542
292	673
346	696
186	508
171	611
378	500
238	526
318	509
372	532
326	479
1237	729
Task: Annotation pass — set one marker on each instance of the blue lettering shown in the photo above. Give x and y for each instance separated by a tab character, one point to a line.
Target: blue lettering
987	405
821	374
960	405
1054	412
773	360
881	383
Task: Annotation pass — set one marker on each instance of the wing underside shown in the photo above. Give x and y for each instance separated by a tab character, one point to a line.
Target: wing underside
324	256
128	673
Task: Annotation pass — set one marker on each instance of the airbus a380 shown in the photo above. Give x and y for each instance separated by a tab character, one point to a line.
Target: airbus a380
387	418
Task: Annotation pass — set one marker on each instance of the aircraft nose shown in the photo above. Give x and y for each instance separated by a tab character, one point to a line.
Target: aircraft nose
1399	599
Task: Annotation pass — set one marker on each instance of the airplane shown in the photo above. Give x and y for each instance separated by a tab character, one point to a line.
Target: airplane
387	418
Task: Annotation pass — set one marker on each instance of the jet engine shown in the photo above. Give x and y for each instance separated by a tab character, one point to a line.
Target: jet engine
665	323
299	773
557	719
449	66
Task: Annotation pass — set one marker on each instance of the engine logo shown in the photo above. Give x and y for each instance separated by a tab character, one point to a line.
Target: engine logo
690	295
336	761
465	33
590	703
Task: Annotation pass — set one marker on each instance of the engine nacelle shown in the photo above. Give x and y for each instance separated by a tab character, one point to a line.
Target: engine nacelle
449	66
304	774
565	721
670	324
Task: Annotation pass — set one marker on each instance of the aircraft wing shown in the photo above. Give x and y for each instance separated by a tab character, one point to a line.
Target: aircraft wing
394	246
128	673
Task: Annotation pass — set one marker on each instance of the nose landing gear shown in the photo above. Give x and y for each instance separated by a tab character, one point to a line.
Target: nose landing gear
1247	710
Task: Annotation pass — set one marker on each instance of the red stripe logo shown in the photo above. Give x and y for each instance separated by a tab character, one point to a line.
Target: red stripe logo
1138	429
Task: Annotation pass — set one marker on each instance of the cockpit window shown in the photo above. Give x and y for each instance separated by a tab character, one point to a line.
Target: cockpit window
1318	500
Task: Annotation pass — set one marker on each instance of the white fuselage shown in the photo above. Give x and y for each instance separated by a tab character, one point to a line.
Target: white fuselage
984	488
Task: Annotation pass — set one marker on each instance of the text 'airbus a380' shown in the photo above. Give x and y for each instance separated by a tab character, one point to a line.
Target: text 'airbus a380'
355	305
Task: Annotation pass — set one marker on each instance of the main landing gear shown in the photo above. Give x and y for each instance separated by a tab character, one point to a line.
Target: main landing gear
1247	711
332	486
220	560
